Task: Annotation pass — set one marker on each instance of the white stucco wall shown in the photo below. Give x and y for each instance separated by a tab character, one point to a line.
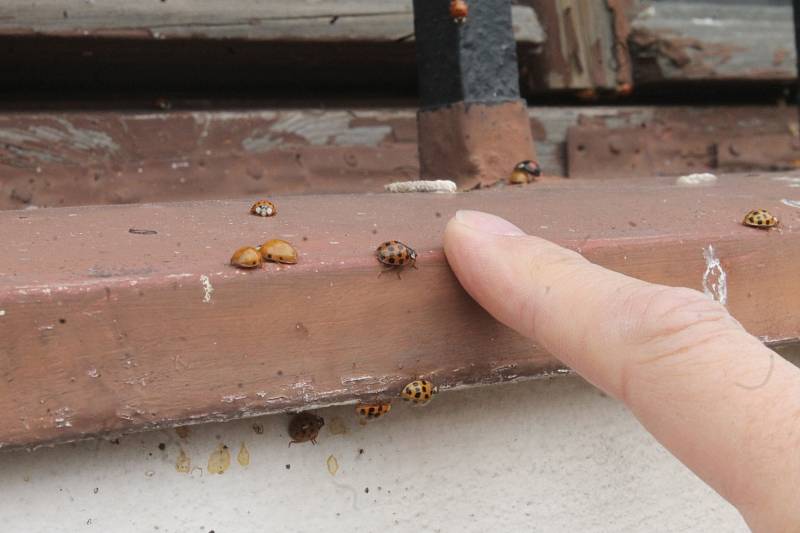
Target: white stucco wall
539	456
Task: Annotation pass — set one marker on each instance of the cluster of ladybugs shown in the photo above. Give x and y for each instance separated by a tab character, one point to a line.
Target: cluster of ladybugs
305	427
274	250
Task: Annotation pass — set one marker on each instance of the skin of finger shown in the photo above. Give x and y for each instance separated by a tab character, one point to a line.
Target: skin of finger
677	359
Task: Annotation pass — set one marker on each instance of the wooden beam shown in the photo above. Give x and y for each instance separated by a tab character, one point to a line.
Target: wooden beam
103	330
71	158
277	20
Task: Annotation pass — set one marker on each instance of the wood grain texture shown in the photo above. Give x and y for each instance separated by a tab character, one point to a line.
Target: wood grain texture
105	331
285	20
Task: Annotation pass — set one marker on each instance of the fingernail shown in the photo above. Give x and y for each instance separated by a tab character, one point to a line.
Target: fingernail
487	223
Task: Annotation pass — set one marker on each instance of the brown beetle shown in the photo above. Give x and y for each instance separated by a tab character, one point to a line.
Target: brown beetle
305	427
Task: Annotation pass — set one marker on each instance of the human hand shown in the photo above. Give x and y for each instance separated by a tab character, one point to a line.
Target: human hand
675	357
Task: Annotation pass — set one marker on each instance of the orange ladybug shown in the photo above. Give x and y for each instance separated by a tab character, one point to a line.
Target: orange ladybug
371	411
396	255
305	427
246	257
278	251
760	218
264	208
459	10
419	391
525	172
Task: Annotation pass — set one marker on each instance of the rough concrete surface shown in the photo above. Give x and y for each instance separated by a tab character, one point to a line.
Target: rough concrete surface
545	456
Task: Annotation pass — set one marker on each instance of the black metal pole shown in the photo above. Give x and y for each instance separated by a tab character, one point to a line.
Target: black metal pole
473	126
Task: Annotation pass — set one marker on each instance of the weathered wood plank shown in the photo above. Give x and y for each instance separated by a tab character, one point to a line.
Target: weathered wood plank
677	41
286	20
106	331
671	141
585	46
68	158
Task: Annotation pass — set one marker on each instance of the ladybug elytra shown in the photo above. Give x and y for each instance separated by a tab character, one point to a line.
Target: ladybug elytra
760	218
396	255
419	391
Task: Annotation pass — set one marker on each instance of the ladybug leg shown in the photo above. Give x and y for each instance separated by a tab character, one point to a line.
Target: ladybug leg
314	441
291	442
386	269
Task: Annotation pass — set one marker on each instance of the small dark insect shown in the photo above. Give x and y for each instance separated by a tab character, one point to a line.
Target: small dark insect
760	218
305	427
396	255
143	231
525	172
459	11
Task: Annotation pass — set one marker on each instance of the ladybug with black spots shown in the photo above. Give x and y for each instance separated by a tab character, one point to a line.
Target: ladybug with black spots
419	391
525	172
760	218
371	411
396	255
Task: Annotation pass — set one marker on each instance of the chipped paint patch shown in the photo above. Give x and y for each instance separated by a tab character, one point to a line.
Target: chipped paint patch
233	398
316	129
715	283
784	201
692	180
208	289
442	186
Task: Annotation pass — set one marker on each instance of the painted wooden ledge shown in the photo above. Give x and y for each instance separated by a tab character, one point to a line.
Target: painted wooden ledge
105	331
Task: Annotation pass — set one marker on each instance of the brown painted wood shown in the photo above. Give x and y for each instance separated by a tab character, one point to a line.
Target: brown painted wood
74	158
277	20
103	330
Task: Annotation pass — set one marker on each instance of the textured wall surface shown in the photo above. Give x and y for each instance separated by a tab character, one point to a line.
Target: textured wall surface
538	456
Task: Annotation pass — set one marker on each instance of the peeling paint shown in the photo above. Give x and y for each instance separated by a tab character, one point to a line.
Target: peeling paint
233	398
316	129
790	180
243	457
208	289
219	460
715	283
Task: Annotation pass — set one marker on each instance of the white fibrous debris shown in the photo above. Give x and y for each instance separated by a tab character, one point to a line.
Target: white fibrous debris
715	282
422	186
790	203
207	289
704	178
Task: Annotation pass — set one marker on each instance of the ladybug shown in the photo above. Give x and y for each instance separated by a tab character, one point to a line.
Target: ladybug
371	411
420	391
760	218
459	11
395	254
278	251
264	208
305	427
246	257
525	172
